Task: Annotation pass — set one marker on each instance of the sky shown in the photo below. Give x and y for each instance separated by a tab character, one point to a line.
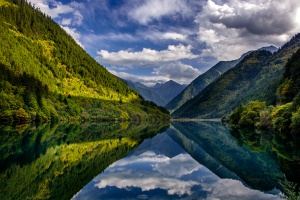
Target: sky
153	41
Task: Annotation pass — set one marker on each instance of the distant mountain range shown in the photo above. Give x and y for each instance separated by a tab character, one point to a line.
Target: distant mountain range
160	94
255	77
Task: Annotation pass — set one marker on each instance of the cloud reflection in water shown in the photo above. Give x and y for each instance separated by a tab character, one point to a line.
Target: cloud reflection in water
153	175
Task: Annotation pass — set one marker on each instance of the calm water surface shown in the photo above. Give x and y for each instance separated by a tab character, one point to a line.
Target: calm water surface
188	160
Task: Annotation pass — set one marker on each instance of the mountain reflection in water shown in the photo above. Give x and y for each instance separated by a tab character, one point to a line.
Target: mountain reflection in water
188	160
168	167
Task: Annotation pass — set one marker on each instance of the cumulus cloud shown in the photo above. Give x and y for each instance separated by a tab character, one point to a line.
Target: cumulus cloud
146	80
259	17
146	57
178	71
155	9
232	28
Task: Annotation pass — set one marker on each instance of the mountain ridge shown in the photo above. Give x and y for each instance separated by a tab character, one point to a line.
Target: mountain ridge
198	84
160	93
45	75
259	84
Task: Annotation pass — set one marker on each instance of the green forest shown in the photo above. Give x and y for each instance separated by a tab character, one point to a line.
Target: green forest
197	85
284	117
255	78
54	161
45	75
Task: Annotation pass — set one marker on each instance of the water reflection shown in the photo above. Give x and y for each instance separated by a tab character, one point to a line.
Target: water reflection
55	161
258	170
161	169
191	160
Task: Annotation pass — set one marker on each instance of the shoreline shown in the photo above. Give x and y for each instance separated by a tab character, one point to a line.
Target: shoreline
196	120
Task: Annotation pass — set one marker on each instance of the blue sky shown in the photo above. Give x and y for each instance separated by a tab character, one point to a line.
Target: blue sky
152	41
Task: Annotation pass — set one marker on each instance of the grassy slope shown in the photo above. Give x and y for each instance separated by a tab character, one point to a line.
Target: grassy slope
46	75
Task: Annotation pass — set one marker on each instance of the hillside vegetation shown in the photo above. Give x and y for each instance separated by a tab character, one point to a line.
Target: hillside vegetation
197	85
255	78
46	75
54	161
285	116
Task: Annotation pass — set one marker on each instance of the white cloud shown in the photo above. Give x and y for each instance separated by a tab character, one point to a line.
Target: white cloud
235	27
174	36
60	10
146	80
74	34
148	156
66	21
157	36
178	72
155	9
233	189
179	175
147	181
174	167
165	173
77	18
146	57
58	7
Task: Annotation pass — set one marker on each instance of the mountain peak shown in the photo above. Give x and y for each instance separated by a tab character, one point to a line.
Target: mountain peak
171	82
157	85
270	48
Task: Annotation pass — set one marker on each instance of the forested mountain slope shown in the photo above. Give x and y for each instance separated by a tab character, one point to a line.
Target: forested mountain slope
285	116
45	74
199	84
256	77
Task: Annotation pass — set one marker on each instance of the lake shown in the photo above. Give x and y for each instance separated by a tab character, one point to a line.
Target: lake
184	160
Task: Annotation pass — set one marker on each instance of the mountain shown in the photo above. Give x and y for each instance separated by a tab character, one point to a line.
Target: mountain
284	117
168	90
271	48
45	75
160	93
197	85
212	145
146	92
256	77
